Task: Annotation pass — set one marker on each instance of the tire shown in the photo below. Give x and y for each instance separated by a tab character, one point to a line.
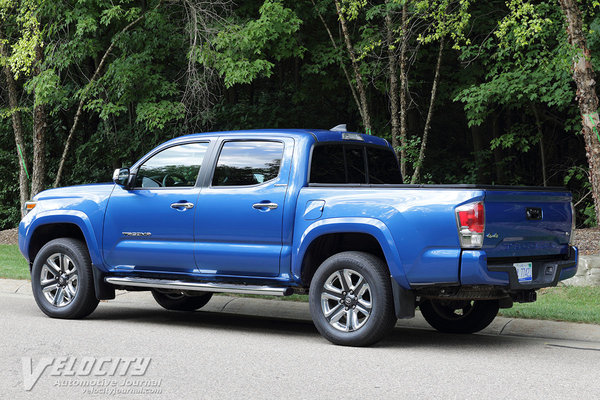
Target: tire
62	279
177	301
459	316
351	301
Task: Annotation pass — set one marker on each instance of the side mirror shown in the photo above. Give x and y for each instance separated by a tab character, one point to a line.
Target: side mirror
121	177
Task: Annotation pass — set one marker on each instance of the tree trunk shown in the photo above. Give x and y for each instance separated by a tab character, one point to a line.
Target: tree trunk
393	71
583	75
40	124
13	102
403	92
362	93
436	80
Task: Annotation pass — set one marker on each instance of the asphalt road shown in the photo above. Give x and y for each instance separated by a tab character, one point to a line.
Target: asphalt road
214	355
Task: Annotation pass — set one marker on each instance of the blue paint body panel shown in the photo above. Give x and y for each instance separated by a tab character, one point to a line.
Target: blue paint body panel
224	237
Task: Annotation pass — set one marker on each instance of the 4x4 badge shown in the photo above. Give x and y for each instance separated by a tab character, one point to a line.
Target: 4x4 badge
492	236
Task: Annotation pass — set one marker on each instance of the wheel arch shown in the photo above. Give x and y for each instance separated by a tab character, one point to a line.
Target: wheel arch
48	227
330	236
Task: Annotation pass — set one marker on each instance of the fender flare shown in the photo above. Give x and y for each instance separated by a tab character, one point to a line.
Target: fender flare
74	217
369	226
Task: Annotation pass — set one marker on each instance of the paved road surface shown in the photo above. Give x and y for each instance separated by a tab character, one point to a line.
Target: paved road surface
214	355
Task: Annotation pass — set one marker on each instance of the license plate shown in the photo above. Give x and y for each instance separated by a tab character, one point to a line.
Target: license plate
524	271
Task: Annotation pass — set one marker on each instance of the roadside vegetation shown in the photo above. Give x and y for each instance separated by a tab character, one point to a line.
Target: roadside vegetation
575	304
12	263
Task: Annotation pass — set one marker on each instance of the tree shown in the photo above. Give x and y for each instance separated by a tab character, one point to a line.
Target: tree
587	99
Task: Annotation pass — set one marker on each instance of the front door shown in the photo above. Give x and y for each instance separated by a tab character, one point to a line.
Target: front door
240	214
151	226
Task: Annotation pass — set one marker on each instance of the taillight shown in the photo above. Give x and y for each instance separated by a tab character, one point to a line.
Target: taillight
572	235
470	219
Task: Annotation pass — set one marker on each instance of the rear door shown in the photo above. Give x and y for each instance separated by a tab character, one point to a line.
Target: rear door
151	226
239	218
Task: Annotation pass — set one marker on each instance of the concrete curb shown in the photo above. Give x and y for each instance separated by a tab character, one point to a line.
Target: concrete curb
299	311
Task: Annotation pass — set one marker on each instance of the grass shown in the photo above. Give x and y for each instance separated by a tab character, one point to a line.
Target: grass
12	263
575	304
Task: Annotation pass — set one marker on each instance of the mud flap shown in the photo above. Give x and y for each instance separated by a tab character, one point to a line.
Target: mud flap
404	301
103	290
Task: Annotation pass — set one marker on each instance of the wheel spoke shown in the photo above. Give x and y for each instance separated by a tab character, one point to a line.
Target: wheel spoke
44	279
333	310
50	262
363	310
349	320
50	288
353	319
65	263
329	283
58	297
347	282
71	290
337	316
331	295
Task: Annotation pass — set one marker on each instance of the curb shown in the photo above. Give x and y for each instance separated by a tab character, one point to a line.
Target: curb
501	326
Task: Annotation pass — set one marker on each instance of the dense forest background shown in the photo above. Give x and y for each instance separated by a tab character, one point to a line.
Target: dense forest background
467	91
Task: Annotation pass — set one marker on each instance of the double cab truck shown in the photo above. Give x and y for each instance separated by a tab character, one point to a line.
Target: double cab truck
276	211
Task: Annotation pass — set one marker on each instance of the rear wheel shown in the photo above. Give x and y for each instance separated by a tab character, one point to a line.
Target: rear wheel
62	279
178	301
351	299
459	316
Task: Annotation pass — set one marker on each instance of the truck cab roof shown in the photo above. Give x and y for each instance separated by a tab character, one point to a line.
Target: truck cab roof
318	135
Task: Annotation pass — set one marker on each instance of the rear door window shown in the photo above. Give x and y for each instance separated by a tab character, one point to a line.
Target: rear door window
246	163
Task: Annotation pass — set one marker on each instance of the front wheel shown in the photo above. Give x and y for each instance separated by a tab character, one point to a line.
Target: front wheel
459	316
351	300
62	280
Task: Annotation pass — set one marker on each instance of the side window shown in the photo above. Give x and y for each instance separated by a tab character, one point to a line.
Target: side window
336	163
328	165
247	163
345	163
177	166
383	166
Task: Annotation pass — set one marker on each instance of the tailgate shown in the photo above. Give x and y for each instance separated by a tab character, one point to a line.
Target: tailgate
527	223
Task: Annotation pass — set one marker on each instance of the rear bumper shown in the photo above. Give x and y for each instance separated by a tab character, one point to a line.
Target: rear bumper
475	270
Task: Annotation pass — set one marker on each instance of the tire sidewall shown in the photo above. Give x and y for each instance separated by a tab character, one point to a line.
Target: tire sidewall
83	265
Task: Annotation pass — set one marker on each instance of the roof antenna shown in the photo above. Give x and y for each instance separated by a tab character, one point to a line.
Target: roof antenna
339	128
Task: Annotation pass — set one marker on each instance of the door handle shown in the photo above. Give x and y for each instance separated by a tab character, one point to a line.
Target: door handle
185	206
270	206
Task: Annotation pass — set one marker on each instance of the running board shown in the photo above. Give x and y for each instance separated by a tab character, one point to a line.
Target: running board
199	286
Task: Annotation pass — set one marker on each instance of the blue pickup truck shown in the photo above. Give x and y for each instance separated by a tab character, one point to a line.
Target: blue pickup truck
274	212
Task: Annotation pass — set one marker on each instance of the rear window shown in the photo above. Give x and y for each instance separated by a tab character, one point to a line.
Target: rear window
350	163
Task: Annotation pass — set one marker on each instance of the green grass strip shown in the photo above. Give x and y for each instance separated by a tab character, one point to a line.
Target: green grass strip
12	263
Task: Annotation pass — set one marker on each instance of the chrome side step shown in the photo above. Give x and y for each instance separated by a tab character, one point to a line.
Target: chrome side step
199	286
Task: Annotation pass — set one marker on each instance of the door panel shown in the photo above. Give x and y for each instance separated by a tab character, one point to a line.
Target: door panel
240	215
151	227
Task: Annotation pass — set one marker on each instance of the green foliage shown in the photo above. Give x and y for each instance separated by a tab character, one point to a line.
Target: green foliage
279	69
245	51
